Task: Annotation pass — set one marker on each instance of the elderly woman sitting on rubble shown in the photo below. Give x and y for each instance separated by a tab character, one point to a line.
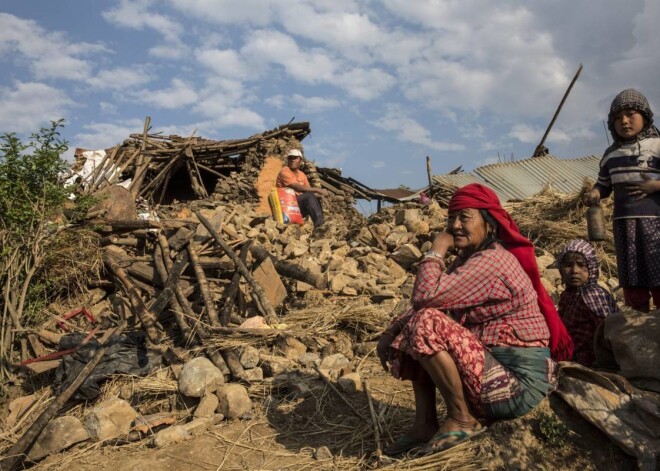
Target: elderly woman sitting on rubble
483	331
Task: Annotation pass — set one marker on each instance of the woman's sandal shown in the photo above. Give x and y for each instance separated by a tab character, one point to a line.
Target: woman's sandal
446	440
404	444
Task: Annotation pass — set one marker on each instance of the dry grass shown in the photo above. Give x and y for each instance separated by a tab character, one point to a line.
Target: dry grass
550	219
159	383
357	317
72	260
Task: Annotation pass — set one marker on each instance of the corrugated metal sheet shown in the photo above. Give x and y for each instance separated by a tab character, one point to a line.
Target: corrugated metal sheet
522	179
396	193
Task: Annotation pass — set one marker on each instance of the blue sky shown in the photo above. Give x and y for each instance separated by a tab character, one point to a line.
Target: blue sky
383	83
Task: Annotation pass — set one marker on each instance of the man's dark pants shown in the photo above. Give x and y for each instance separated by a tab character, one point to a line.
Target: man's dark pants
311	206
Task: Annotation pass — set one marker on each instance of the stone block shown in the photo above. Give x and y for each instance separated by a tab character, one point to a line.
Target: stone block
323	453
266	275
109	419
117	202
58	435
273	365
403	216
207	406
335	362
253	375
350	383
289	347
234	401
202	424
198	377
406	255
338	282
171	436
18	407
249	357
215	217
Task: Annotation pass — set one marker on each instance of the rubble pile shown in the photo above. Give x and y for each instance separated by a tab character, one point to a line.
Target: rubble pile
215	296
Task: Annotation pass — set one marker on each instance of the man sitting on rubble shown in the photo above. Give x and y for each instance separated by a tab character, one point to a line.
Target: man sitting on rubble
308	196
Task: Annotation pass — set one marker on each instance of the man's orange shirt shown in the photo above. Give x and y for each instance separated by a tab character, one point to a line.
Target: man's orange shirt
287	177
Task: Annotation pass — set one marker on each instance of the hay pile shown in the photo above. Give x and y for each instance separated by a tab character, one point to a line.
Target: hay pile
550	219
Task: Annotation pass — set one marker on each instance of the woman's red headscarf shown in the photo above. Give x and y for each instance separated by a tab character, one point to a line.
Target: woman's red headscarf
478	196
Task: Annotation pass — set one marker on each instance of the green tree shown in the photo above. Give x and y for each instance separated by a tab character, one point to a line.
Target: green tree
30	195
29	186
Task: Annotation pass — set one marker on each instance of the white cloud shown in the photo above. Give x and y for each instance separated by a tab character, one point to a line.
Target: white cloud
532	135
135	14
274	47
408	130
239	116
254	12
226	63
49	55
526	133
180	94
107	108
351	32
223	101
170	51
365	84
276	101
28	106
378	164
104	134
314	104
120	78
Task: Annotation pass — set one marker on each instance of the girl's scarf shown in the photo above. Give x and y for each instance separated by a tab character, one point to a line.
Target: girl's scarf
597	299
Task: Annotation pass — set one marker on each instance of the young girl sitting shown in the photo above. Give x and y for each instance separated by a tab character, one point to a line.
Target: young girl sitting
584	304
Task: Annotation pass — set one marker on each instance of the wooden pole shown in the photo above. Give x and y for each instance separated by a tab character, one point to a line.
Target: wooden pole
200	331
540	151
374	419
169	285
146	318
429	174
174	303
229	295
268	311
143	161
290	270
211	311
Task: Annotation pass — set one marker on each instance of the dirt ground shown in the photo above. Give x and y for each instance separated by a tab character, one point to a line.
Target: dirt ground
286	433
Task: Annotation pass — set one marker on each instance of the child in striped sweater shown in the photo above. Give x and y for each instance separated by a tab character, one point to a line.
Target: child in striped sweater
630	168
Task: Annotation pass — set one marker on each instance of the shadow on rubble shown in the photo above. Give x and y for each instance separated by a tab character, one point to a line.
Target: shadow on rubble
309	413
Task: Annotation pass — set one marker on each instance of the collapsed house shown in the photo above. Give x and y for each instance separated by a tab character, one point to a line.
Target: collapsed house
208	302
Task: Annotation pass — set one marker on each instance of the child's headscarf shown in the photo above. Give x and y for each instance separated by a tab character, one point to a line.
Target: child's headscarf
599	301
631	99
479	196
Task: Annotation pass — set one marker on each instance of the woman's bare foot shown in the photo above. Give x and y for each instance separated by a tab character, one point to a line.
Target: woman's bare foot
459	425
451	433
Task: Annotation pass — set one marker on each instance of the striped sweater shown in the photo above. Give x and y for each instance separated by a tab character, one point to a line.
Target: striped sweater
626	164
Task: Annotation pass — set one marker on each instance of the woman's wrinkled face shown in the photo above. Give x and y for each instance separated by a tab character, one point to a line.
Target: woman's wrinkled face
574	270
468	227
628	123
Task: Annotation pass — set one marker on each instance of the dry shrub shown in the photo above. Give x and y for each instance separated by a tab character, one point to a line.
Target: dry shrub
73	259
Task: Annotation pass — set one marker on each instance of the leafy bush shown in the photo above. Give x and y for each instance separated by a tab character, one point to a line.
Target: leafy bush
553	432
29	187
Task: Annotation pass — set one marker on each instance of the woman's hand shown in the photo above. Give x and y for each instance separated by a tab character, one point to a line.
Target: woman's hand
647	186
442	243
385	354
593	197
